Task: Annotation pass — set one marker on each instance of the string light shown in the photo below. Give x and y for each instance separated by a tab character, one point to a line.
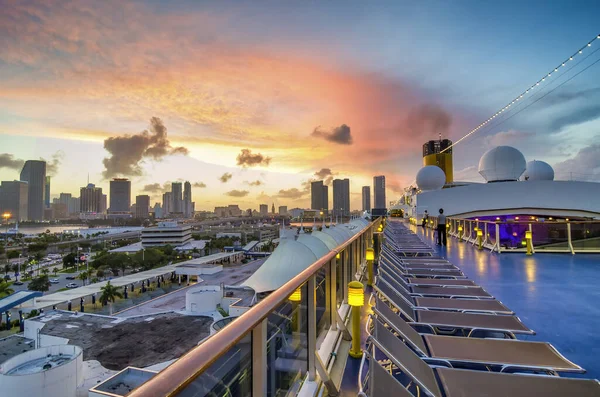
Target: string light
537	83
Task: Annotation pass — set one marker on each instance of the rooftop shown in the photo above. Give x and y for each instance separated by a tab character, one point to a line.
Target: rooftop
13	346
120	342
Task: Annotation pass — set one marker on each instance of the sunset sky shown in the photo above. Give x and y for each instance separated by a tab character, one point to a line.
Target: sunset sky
278	93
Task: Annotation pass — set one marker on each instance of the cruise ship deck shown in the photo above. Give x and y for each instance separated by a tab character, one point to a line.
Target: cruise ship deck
554	294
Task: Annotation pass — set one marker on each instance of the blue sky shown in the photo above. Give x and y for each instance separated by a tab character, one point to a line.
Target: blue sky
228	76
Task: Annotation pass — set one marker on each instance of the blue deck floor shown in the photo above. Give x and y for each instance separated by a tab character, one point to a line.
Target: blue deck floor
557	295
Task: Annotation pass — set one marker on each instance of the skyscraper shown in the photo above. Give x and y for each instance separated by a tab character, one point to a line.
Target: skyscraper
366	198
272	208
34	173
187	199
142	206
325	199
158	213
167	204
264	209
341	197
47	193
120	195
103	204
379	192
283	210
90	199
176	191
319	196
14	199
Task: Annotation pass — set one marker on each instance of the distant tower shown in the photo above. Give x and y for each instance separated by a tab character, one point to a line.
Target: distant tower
272	208
379	192
34	173
120	195
176	190
341	197
47	193
187	199
366	198
432	156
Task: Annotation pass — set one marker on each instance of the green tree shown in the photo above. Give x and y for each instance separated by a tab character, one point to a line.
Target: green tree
109	295
149	259
45	271
37	247
69	260
83	276
5	289
13	254
6	268
55	270
100	273
41	283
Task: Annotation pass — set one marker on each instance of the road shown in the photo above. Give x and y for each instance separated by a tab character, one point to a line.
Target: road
62	277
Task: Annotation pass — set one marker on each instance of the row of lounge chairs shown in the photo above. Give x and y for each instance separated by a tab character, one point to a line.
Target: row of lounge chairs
433	332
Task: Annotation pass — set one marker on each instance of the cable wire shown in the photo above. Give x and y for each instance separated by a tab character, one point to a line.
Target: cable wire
527	91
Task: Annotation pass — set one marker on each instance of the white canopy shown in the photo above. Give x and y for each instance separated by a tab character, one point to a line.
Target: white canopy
285	263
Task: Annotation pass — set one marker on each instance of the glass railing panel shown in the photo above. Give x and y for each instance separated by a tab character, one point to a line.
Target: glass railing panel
230	375
491	234
287	346
585	236
322	309
339	275
550	236
512	235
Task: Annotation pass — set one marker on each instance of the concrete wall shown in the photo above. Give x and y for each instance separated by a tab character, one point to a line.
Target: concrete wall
203	299
61	381
581	198
31	332
198	271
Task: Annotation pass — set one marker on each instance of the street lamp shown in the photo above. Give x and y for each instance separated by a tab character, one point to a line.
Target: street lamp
356	299
6	217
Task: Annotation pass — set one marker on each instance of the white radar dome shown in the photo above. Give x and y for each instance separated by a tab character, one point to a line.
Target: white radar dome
538	171
431	177
502	163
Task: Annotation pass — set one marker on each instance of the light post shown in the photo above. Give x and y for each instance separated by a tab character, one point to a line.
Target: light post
18	268
370	257
356	299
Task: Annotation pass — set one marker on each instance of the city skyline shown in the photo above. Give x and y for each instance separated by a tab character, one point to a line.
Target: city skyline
258	114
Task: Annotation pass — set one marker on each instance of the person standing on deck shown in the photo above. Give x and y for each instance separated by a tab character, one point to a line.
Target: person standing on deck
441	228
425	219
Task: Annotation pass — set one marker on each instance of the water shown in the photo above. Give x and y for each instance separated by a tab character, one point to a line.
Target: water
556	295
30	229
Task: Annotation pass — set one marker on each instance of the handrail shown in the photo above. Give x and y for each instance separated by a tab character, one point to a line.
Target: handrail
188	367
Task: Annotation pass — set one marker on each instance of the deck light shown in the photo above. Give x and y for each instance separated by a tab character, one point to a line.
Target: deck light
516	218
528	242
460	228
296	296
356	294
479	232
479	238
338	256
497	218
356	299
528	234
370	255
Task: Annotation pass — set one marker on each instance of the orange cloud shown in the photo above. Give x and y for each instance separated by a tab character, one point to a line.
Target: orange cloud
90	60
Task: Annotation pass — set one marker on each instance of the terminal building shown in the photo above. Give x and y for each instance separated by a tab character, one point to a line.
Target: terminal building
166	233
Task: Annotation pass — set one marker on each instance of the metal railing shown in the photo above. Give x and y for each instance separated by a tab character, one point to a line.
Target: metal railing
548	235
258	353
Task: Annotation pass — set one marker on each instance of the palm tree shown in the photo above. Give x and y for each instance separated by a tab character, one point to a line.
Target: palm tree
55	270
110	293
83	276
45	271
5	290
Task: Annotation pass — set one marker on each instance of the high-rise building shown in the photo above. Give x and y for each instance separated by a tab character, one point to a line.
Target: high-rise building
34	173
366	198
167	204
74	205
104	204
64	198
379	192
319	196
47	193
325	200
176	189
188	210
59	210
272	208
142	206
283	210
432	155
90	199
341	197
157	211
120	196
14	199
264	209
